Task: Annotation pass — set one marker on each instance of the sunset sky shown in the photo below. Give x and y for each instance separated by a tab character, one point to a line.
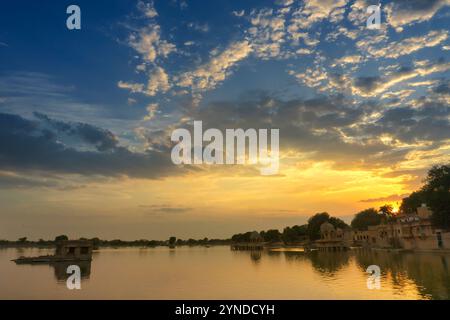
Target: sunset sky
86	115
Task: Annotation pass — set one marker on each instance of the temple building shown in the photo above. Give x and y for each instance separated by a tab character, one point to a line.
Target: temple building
333	239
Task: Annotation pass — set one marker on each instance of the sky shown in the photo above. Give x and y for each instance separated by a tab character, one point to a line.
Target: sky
86	115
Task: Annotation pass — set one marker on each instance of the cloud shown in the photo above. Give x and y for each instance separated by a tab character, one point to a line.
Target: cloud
157	82
152	108
147	9
103	140
238	13
402	13
315	11
133	87
219	67
38	145
407	46
374	85
198	26
165	208
393	197
148	43
10	180
352	59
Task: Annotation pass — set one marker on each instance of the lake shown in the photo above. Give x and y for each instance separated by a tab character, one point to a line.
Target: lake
219	273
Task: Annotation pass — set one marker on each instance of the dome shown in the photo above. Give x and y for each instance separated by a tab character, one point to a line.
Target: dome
326	227
255	236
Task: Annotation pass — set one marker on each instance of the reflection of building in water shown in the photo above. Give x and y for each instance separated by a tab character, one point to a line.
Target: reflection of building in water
60	269
255	255
407	231
328	262
256	243
66	250
333	239
430	272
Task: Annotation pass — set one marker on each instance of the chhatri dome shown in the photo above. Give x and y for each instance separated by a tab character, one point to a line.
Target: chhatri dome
326	227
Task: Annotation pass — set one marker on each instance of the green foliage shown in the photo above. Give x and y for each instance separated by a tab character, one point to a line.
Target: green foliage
314	224
172	241
61	238
295	233
366	218
435	193
272	235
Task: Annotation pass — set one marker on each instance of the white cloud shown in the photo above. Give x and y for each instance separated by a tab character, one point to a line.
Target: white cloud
409	45
149	44
207	76
317	10
198	26
238	13
152	108
373	86
158	82
353	59
133	87
404	13
147	9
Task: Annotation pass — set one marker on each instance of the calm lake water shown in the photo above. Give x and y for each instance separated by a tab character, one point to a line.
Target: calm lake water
219	273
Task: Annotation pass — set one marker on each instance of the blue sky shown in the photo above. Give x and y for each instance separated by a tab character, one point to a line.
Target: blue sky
82	107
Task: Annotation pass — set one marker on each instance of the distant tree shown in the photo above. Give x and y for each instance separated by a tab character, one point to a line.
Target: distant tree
272	235
314	224
338	223
172	241
23	239
435	193
62	238
96	242
366	218
410	204
295	233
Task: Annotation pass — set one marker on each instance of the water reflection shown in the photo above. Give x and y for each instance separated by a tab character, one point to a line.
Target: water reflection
60	270
429	272
186	273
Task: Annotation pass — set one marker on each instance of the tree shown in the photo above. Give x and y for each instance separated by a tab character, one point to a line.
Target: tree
435	193
314	224
338	223
272	235
387	212
295	233
62	238
23	239
366	218
172	241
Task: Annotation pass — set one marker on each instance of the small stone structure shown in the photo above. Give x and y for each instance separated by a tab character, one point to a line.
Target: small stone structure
332	239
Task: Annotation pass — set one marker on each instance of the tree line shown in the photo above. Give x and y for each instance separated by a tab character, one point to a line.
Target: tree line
435	193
